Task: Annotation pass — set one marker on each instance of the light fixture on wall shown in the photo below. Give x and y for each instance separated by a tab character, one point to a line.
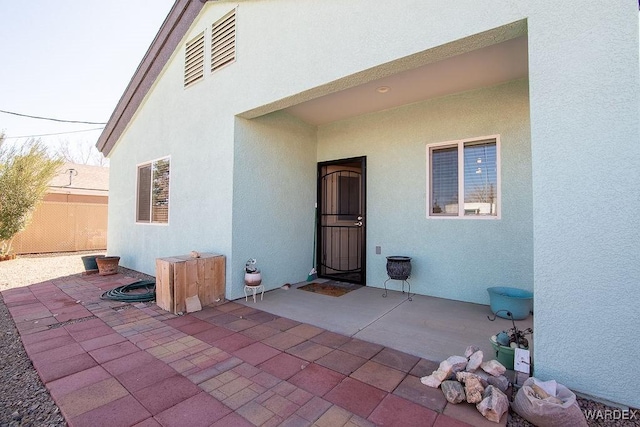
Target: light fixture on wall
383	89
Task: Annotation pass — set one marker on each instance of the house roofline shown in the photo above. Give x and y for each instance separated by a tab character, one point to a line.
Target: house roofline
173	29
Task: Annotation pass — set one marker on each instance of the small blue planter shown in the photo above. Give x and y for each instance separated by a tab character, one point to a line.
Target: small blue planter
517	301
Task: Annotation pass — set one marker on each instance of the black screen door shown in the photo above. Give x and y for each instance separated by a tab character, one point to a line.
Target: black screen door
341	220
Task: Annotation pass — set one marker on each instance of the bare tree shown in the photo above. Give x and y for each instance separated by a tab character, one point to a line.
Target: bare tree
84	153
482	194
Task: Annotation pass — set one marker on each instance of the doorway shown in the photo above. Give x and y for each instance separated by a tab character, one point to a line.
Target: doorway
341	251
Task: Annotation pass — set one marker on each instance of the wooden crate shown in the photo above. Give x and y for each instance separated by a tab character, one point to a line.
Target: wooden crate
180	277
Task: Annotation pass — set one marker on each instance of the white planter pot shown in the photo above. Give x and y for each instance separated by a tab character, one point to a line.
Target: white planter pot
253	279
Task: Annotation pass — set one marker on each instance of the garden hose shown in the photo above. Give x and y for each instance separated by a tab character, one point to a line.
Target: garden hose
122	293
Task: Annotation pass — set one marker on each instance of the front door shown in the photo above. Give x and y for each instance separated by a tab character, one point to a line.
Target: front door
342	219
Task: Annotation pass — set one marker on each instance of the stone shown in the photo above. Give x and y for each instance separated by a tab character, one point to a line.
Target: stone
445	367
473	389
501	382
494	404
483	377
475	360
431	380
502	338
453	391
470	350
493	367
458	363
441	374
463	376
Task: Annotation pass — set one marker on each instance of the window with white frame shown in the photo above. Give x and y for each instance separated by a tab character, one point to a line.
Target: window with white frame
153	192
463	178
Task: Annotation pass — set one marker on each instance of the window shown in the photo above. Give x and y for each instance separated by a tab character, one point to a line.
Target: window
194	60
223	41
469	169
153	192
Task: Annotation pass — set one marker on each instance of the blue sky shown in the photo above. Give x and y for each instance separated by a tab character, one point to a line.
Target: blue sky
70	59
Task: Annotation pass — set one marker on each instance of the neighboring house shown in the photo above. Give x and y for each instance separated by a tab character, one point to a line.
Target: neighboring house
73	214
470	136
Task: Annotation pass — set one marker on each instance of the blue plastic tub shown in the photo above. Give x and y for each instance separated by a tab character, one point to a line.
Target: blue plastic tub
517	301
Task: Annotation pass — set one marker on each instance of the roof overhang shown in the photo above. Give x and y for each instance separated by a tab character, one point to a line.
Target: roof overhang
175	26
484	59
487	66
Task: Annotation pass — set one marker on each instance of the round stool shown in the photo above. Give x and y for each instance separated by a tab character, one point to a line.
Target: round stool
254	289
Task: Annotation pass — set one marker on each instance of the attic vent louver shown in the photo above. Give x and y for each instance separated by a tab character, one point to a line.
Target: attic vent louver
223	41
194	60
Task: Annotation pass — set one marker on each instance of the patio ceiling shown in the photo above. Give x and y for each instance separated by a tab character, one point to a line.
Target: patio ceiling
483	67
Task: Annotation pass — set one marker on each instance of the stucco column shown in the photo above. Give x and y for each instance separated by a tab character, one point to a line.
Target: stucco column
585	138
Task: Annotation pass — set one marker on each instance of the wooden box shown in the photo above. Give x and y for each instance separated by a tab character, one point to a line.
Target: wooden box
180	277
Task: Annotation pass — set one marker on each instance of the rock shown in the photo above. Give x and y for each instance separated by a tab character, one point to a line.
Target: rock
501	382
473	389
493	367
502	338
453	391
462	377
483	377
446	370
431	380
442	374
494	404
458	363
475	360
470	350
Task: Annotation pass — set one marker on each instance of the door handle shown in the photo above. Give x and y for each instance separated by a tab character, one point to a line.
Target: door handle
358	223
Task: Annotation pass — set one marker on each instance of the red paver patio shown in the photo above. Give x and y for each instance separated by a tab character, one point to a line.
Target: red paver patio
108	363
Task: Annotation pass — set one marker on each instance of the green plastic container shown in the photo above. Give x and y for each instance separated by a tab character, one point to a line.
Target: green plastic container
504	355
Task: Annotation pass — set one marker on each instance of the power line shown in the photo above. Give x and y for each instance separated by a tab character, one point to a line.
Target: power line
51	134
51	119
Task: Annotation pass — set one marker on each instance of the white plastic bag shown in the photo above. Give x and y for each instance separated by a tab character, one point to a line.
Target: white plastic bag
548	412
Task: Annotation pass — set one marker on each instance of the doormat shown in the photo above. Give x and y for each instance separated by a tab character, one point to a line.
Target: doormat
331	288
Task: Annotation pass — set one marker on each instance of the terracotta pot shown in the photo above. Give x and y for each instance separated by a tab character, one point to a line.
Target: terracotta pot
107	265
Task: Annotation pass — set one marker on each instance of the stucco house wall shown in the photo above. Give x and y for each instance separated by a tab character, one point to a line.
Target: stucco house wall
578	243
273	199
452	258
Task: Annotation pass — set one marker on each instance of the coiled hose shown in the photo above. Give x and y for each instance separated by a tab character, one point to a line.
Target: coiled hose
123	293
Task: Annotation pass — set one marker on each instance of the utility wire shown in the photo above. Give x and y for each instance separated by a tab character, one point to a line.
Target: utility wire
51	134
51	119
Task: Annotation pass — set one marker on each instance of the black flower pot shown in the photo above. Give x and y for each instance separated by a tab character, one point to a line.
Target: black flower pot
399	267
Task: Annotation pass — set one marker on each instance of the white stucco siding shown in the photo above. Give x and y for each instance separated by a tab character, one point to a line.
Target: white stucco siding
586	156
274	196
195	128
452	258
